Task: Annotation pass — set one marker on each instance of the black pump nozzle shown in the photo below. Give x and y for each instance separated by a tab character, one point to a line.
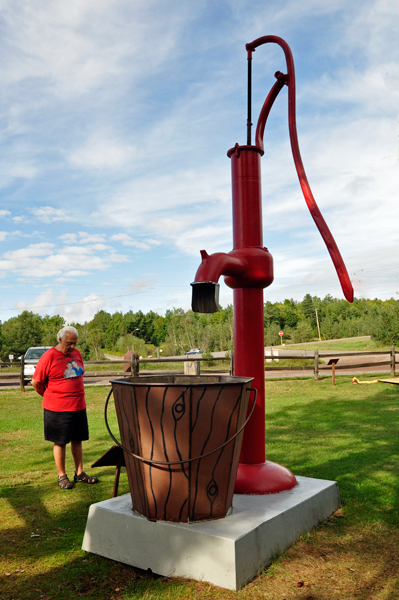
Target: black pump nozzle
205	297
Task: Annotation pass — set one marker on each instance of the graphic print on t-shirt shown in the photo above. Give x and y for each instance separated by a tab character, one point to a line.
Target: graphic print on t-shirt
77	368
72	369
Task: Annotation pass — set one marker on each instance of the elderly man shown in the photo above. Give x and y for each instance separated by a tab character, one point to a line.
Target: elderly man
64	405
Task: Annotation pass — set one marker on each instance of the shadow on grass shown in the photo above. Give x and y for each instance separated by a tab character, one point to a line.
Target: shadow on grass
42	547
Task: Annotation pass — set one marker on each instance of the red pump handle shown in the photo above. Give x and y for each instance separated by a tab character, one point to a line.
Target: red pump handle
289	80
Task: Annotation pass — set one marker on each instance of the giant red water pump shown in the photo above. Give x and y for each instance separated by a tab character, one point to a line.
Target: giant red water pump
248	268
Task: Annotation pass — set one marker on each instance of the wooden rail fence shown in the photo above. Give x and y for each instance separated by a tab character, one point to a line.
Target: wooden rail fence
192	363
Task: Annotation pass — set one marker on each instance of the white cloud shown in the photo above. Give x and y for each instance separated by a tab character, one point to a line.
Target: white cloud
49	214
127	240
166	205
68	275
68	238
5	213
47	299
59	303
102	153
83	310
3	235
378	83
90	238
212	238
16	168
82	237
33	250
141	284
44	260
77	48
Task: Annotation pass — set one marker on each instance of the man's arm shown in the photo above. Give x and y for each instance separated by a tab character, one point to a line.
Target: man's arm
38	387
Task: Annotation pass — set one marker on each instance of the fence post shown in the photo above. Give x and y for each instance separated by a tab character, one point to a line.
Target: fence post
393	359
316	365
192	367
22	378
134	365
232	362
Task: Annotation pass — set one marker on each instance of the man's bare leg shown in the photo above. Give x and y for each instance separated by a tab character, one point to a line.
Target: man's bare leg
77	453
59	457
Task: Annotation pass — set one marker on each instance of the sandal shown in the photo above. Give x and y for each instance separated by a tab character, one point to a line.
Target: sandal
84	478
64	483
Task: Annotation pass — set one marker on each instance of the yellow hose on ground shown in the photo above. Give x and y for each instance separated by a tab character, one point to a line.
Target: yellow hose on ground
357	382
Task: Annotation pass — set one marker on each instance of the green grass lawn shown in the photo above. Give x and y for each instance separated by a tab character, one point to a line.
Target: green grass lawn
350	344
346	433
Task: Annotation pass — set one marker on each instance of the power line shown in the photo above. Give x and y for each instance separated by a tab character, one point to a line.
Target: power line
67	284
100	299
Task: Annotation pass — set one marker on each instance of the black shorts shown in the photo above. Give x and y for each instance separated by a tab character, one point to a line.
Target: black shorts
63	427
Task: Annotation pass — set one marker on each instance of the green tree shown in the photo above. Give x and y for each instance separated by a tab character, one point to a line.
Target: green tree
83	344
95	340
386	325
160	327
21	332
303	332
130	342
308	308
271	314
101	321
272	337
51	326
115	330
175	341
289	314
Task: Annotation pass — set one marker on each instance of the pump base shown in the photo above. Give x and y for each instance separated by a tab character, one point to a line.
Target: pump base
227	552
264	478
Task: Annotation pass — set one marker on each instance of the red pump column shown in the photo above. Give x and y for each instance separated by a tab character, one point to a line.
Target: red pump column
248	302
255	476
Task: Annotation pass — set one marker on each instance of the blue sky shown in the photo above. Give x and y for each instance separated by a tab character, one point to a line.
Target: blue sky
115	120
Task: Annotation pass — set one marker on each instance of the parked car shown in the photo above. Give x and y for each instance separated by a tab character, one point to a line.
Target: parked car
31	359
194	351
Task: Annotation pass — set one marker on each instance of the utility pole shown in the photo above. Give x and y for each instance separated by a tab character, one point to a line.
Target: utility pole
318	326
133	332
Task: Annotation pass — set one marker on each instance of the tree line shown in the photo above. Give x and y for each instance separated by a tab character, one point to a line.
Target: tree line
178	330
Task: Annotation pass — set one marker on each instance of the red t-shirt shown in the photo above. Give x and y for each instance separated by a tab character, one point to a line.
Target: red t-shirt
62	376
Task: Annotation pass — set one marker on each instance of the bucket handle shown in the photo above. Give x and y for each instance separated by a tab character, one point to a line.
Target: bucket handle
177	462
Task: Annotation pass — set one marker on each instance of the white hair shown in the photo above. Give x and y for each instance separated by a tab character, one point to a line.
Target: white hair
63	331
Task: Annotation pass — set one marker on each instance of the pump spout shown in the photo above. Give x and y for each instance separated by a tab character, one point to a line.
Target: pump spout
205	294
247	267
215	265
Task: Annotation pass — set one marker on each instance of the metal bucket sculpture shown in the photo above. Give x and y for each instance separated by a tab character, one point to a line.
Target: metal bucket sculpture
248	268
182	438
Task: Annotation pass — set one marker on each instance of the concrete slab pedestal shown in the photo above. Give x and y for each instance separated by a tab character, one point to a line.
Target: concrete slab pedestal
227	552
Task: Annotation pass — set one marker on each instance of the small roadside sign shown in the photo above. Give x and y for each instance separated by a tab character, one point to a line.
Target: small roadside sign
281	333
11	357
